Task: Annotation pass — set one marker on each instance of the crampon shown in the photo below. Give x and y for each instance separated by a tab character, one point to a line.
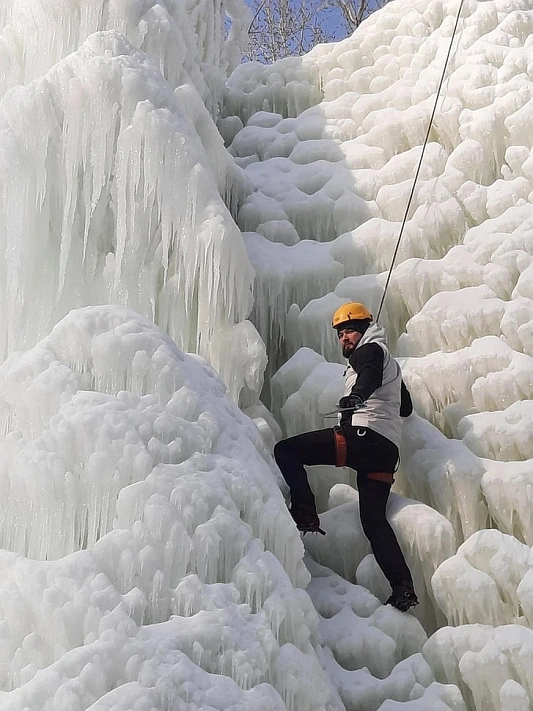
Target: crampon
306	519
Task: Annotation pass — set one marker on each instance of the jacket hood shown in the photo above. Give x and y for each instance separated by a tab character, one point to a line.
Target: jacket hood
373	334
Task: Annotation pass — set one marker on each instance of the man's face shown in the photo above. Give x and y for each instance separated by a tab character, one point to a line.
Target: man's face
348	338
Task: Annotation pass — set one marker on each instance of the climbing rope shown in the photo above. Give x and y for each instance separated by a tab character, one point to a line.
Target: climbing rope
419	166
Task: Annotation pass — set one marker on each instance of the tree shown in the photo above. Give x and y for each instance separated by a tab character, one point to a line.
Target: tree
355	11
282	28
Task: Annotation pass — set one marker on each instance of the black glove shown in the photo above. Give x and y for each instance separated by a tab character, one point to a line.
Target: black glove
351	401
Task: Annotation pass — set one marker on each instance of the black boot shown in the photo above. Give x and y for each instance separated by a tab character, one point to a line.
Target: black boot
403	596
306	518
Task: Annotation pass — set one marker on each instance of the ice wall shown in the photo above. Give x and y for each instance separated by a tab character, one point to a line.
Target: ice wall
117	442
372	654
160	550
341	170
117	200
185	40
334	167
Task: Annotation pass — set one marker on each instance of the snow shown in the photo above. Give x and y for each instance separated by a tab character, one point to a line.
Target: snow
177	229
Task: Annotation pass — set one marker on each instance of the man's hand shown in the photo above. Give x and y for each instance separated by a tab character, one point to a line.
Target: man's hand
351	402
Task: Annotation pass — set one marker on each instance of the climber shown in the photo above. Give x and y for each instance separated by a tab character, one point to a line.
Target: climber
367	440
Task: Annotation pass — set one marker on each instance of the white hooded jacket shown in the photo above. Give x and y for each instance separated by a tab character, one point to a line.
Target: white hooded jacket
381	412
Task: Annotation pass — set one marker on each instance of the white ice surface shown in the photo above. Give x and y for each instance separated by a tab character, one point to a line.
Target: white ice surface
118	443
126	199
183	39
492	666
372	651
496	569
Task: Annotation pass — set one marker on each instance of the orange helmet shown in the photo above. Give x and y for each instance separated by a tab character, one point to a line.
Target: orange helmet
352	311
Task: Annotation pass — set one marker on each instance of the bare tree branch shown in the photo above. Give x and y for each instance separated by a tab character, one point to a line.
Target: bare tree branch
281	28
355	11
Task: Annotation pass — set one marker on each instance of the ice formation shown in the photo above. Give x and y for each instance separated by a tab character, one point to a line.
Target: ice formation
117	205
177	229
118	443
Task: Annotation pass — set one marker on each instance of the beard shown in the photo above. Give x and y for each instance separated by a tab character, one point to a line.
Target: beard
348	349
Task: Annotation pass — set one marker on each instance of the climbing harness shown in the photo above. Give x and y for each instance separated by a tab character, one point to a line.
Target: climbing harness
419	166
341	456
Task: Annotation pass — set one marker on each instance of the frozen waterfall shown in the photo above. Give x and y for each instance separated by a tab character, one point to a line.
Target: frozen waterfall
177	229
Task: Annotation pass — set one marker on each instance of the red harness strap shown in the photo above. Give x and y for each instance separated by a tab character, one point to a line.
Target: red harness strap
341	450
341	453
385	477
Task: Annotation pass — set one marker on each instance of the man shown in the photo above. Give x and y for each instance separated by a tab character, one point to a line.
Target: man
368	438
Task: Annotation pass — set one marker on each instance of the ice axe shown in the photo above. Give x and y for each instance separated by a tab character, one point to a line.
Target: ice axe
340	410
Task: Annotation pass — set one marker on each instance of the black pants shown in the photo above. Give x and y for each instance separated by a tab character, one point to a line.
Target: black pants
368	451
